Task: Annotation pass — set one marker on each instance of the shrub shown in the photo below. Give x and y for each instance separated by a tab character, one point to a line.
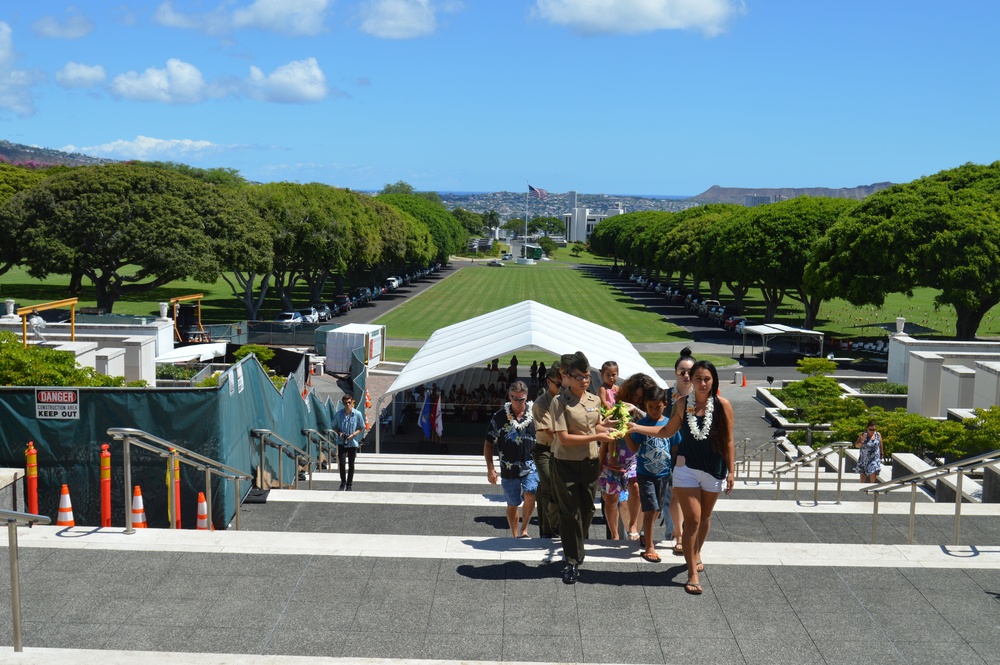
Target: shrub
176	372
884	388
209	381
263	353
820	400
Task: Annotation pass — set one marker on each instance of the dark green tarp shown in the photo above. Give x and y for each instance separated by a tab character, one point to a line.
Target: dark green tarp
215	422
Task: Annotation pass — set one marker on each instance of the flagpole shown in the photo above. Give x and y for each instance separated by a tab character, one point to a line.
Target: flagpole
524	247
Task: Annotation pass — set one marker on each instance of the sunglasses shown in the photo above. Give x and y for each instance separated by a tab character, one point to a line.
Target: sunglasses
578	377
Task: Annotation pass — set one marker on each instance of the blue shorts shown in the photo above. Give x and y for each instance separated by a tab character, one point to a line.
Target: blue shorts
515	488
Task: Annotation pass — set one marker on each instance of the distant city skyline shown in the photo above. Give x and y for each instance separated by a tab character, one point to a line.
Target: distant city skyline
666	97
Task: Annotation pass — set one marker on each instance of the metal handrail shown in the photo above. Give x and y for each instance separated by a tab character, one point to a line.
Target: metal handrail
267	437
321	439
167	450
799	462
749	457
13	519
913	479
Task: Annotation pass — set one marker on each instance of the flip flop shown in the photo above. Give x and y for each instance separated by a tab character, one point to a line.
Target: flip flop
678	550
700	567
693	588
652	558
633	535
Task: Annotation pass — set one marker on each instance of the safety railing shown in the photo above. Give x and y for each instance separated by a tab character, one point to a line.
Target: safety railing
13	519
269	438
957	468
324	443
814	456
173	454
748	457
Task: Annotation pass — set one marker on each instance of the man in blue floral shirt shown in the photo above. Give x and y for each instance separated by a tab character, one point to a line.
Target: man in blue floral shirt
349	424
512	434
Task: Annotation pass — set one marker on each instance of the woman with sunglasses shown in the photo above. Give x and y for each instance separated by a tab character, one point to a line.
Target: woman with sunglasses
870	458
577	423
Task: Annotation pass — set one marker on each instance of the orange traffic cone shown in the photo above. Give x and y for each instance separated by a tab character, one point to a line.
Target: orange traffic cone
202	513
65	517
138	512
367	426
368	400
744	381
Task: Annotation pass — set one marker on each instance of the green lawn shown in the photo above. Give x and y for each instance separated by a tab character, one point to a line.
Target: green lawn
478	289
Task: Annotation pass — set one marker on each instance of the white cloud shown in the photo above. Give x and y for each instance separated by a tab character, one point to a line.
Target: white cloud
634	16
15	84
74	27
147	148
178	83
290	17
398	19
77	75
297	82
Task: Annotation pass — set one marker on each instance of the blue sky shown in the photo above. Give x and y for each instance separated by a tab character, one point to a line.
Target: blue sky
600	96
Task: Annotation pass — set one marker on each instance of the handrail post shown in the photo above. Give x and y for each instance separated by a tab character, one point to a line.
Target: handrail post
15	584
958	505
777	485
239	503
260	470
795	496
913	510
816	482
126	442
875	518
171	495
840	472
208	497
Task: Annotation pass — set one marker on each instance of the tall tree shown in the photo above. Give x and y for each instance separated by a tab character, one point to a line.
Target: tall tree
127	228
941	231
14	179
449	236
470	221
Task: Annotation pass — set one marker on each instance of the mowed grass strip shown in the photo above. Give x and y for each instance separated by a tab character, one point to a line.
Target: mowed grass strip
478	289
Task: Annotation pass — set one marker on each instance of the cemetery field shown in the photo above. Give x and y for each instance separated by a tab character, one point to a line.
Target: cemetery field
479	289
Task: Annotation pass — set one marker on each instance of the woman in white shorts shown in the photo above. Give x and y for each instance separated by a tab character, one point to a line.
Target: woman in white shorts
705	460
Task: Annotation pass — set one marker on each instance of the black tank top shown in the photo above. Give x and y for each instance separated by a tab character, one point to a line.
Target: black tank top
701	455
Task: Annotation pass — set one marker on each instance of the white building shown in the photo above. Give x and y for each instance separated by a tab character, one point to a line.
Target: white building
580	222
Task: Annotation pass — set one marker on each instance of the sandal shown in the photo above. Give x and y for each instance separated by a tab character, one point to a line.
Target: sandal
633	535
678	550
693	588
651	557
699	566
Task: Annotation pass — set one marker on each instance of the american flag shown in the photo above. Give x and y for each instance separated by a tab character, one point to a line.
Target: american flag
540	194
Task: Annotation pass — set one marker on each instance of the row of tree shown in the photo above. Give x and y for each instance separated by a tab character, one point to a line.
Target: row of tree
133	227
940	231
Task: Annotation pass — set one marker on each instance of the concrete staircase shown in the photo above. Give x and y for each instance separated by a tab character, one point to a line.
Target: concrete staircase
414	565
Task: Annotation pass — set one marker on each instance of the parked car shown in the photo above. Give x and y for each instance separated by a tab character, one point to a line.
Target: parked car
323	311
288	317
309	315
362	295
496	264
741	325
392	283
732	322
343	303
507	257
376	291
705	305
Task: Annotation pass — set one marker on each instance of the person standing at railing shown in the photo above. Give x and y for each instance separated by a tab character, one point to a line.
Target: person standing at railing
870	458
350	427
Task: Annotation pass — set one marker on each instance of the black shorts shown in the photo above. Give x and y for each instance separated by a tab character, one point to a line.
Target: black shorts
654	492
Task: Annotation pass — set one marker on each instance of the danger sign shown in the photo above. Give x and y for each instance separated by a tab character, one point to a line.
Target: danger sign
63	403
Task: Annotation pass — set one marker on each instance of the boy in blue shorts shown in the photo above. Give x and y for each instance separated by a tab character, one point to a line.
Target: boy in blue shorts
653	466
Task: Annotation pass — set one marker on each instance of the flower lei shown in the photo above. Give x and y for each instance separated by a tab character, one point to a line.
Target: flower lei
700	433
513	422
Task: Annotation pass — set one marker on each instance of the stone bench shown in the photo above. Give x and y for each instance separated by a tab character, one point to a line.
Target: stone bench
904	464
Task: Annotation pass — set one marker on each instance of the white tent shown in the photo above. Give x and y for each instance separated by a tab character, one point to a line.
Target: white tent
526	325
195	352
769	331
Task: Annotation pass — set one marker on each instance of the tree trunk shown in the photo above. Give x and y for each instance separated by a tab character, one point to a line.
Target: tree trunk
75	283
967	321
772	300
739	292
715	286
810	305
105	293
